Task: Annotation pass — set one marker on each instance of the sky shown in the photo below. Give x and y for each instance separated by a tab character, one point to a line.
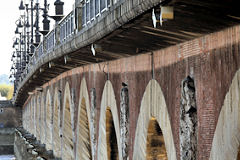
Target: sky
9	13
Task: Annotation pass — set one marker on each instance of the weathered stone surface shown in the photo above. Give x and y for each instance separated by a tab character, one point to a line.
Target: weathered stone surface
124	122
188	121
93	122
26	147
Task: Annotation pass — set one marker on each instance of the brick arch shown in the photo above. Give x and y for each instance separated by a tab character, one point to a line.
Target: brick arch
67	125
56	124
43	118
35	114
48	121
108	102
28	114
24	116
153	105
38	116
83	125
31	116
226	141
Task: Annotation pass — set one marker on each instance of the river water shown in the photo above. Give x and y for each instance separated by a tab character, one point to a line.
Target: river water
7	157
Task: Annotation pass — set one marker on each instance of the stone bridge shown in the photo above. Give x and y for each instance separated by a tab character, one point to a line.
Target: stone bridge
170	92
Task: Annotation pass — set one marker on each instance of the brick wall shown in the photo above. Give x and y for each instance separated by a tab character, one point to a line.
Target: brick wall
212	60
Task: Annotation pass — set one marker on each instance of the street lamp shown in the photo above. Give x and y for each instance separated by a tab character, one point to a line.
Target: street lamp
21	7
45	21
16	31
15	42
58	10
19	24
27	26
59	7
36	25
27	34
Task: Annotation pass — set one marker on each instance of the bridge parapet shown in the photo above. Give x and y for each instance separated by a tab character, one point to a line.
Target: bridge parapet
76	30
67	27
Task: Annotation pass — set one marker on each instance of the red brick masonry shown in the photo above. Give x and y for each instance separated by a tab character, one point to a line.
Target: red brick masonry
212	60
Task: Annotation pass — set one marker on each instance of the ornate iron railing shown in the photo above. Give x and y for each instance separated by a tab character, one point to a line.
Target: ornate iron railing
50	41
39	51
67	28
92	9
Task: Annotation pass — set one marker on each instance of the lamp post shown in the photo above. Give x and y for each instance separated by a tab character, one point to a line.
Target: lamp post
27	25
58	10
35	25
27	34
37	35
21	30
31	46
45	21
16	59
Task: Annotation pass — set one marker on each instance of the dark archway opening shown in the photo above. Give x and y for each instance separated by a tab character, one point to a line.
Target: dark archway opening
238	156
112	147
155	142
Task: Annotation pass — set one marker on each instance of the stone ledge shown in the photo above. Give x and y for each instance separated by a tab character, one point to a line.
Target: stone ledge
26	146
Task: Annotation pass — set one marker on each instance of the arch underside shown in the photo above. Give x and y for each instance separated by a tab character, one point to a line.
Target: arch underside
31	116
84	144
153	105
43	118
67	126
35	115
226	139
84	150
108	102
48	122
56	126
38	120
